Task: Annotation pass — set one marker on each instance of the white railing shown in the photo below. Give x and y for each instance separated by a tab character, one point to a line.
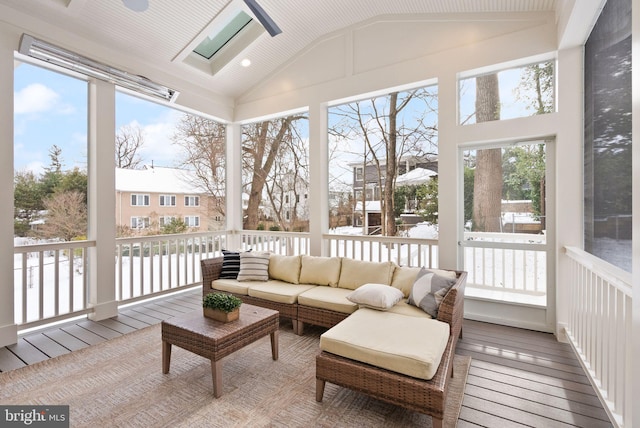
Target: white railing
152	265
402	251
285	243
50	282
515	263
599	329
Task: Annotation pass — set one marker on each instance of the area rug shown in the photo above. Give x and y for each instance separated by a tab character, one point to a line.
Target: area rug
119	383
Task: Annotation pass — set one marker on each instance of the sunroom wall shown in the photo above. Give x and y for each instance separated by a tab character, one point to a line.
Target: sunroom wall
354	62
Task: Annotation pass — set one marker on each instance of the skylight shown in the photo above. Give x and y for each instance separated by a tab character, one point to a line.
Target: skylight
213	43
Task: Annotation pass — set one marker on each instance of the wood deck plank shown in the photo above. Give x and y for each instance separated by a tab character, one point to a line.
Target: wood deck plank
99	329
536	397
538	413
116	325
27	352
141	317
536	386
519	345
134	323
9	361
475	417
65	339
83	334
524	366
48	346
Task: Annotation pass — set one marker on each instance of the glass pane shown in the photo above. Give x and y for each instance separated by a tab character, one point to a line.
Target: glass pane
518	92
607	163
50	155
212	44
172	154
383	165
275	170
504	193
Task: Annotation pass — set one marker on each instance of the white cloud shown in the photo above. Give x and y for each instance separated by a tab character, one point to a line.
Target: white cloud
35	98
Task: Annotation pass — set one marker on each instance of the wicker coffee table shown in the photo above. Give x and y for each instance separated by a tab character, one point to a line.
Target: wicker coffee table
215	340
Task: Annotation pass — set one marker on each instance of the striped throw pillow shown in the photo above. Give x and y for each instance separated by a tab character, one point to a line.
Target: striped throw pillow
230	264
254	266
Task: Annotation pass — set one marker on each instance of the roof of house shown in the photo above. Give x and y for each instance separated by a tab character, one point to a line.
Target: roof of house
155	179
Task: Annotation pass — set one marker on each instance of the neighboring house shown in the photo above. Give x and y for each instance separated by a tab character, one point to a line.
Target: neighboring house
412	170
151	197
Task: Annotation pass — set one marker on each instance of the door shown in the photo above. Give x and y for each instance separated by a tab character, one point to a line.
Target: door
506	224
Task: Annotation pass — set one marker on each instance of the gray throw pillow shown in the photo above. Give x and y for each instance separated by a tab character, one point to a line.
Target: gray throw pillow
428	291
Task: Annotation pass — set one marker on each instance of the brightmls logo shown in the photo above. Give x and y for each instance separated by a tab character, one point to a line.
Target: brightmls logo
34	416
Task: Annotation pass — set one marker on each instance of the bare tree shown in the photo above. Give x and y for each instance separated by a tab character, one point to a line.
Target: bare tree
203	144
66	216
263	144
487	191
129	141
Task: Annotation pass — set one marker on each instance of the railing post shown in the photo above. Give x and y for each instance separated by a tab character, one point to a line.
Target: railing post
101	206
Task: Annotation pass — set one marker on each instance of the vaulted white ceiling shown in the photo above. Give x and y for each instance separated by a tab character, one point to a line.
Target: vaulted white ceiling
149	42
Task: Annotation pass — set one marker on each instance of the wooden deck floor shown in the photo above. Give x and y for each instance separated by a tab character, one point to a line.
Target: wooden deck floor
517	377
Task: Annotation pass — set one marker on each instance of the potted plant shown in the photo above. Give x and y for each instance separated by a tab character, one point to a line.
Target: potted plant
221	306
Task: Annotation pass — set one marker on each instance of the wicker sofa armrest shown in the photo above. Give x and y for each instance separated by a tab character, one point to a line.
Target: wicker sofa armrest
451	309
210	270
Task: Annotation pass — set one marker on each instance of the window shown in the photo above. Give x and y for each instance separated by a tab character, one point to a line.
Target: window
213	43
516	92
139	222
192	220
167	200
177	134
359	162
192	201
50	147
286	141
607	137
140	200
359	174
167	219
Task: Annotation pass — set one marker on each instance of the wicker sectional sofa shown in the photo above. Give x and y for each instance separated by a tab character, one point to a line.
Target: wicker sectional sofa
372	351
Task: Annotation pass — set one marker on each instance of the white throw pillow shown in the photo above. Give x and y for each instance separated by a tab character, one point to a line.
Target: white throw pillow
254	266
375	296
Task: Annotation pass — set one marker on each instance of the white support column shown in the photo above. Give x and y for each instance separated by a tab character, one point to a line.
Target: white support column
448	173
634	389
8	327
234	184
569	182
101	200
318	170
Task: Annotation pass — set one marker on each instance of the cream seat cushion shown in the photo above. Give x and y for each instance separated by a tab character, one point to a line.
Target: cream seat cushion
231	286
334	299
355	273
278	291
404	308
412	346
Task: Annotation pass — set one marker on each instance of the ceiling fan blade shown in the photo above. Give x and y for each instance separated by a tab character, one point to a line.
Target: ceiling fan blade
136	5
266	21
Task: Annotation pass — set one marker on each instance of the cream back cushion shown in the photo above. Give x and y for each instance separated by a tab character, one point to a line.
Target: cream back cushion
403	278
285	268
355	273
320	270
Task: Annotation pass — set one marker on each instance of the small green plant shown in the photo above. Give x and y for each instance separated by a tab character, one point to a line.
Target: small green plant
221	301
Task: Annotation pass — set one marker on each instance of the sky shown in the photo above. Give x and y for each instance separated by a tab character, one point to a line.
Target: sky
51	108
